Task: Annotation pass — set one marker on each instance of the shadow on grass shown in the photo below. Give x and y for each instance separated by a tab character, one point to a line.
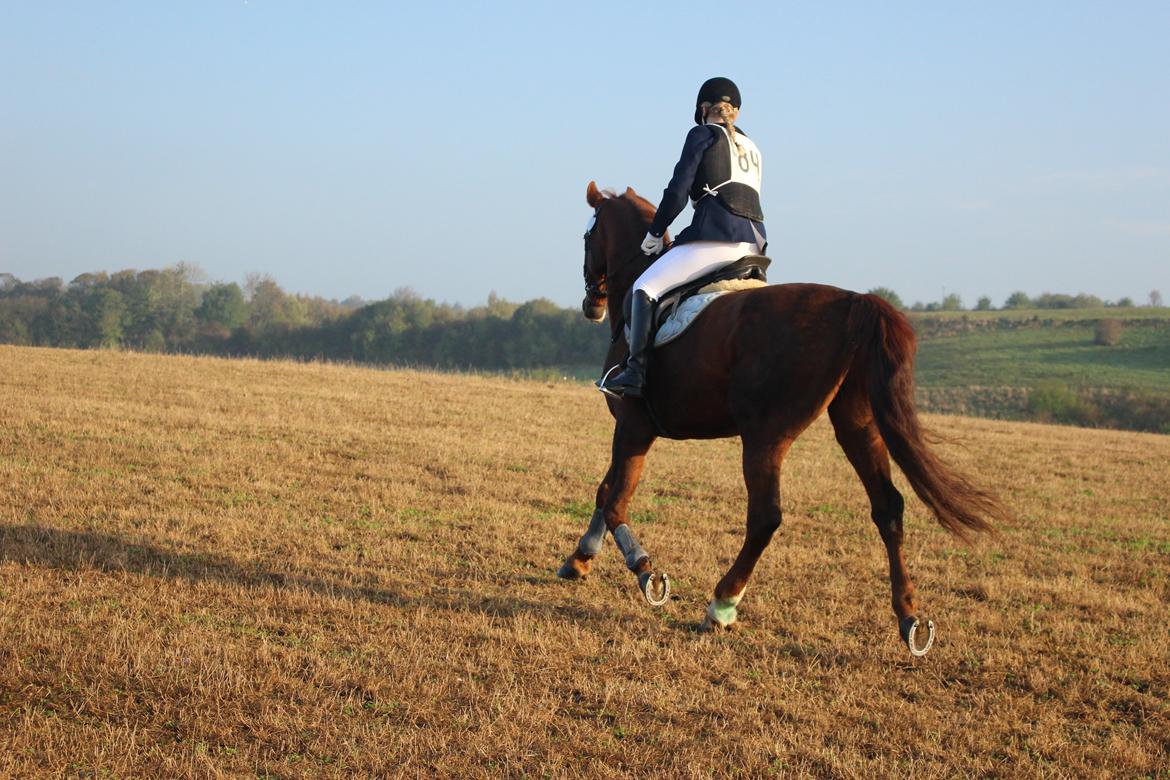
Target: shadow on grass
80	550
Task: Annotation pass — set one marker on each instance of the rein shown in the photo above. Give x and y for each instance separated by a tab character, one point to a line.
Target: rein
620	320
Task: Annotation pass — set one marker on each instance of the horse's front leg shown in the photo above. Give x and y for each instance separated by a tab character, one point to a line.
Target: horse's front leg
631	442
578	565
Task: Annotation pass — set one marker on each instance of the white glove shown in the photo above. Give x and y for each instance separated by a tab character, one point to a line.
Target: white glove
651	245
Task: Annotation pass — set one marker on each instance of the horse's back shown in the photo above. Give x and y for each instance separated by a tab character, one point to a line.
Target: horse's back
782	320
752	352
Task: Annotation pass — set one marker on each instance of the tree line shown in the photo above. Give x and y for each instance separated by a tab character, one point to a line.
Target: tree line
173	310
1017	300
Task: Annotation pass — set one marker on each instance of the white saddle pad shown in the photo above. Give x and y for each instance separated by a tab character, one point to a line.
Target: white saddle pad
690	309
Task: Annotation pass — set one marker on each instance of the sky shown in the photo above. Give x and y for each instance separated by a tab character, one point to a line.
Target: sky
357	148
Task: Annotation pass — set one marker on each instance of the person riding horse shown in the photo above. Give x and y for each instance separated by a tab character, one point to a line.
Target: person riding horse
721	170
764	364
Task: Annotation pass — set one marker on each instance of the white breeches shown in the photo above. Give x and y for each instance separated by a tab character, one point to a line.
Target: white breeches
689	261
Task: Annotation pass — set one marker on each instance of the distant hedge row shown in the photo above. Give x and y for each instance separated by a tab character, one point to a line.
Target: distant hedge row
1132	410
1054	402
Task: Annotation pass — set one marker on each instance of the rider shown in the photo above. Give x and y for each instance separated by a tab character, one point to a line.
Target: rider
720	169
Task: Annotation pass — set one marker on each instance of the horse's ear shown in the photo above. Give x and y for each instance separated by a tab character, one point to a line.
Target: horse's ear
630	193
593	195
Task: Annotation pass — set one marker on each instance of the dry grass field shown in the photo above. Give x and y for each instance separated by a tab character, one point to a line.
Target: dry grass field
237	568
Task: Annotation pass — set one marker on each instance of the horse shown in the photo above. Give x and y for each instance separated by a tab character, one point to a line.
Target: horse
763	364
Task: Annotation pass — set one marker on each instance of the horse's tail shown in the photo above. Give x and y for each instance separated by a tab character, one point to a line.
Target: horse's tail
887	344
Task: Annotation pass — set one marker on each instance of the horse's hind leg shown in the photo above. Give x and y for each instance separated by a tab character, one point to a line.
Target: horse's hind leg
858	435
761	473
578	565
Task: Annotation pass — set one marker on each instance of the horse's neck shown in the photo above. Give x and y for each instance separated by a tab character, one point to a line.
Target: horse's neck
631	264
623	278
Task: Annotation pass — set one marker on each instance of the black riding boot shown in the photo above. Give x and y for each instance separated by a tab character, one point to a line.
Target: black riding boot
632	379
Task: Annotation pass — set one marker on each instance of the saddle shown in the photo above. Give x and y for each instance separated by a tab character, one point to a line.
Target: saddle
747	267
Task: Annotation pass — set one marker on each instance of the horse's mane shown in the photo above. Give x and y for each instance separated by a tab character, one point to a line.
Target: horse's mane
645	208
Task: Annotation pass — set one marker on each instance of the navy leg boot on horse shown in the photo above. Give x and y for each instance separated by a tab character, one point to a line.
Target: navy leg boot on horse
632	379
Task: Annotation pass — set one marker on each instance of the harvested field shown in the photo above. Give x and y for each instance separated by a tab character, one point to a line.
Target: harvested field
238	568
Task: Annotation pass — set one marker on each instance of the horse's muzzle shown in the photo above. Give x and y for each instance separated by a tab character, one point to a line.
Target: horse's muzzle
593	309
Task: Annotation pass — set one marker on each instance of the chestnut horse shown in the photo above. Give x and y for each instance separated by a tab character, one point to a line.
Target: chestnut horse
763	364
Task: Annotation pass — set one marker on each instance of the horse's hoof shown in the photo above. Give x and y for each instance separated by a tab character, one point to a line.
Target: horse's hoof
908	628
721	614
572	569
655	587
712	626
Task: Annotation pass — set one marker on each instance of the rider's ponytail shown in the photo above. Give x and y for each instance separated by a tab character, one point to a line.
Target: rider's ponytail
727	114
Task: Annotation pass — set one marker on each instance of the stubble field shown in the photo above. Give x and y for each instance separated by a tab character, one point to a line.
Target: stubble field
237	568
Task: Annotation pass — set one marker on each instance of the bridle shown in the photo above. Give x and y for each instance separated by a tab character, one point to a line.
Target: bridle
596	291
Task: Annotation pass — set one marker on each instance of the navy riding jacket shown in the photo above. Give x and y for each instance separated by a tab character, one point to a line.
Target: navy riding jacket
712	220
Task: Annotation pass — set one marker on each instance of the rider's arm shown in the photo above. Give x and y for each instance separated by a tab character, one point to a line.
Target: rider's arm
674	197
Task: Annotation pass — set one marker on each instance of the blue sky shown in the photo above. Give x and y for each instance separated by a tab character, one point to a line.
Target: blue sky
355	148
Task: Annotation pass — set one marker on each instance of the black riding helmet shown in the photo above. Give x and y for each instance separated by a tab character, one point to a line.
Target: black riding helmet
713	91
